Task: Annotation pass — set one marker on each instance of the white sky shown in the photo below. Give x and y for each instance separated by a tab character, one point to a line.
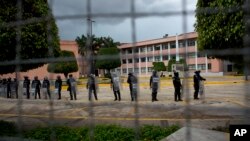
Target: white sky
120	28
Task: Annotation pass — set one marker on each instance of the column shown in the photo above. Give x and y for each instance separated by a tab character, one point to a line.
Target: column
153	53
169	57
146	59
139	52
196	56
177	48
206	63
161	53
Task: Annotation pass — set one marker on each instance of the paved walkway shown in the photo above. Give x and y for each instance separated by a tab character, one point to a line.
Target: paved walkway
226	102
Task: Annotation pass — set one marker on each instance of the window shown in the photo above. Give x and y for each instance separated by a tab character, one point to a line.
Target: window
200	55
143	49
118	70
165	57
137	60
123	51
136	50
181	43
157	47
124	70
124	61
209	66
181	56
173	56
201	66
164	46
191	55
150	48
143	59
191	67
143	69
157	58
150	69
172	45
150	59
191	42
136	70
130	61
130	69
129	51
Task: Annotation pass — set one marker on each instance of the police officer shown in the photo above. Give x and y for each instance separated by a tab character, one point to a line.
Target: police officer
26	86
72	83
154	85
58	86
8	83
37	85
15	86
115	85
132	81
197	78
91	86
46	86
177	87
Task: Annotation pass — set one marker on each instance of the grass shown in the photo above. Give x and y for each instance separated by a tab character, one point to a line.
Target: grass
100	133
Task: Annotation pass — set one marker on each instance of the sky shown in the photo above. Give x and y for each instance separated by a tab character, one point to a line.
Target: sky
120	27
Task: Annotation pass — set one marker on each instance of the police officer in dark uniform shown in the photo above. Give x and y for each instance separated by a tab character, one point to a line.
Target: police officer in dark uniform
8	83
115	85
177	87
132	81
26	86
197	78
46	85
154	85
15	86
58	86
91	86
37	85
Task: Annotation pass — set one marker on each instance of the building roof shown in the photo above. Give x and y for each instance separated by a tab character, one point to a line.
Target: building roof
189	35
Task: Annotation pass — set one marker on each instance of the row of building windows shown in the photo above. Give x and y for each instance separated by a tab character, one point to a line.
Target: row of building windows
150	69
158	47
159	58
200	66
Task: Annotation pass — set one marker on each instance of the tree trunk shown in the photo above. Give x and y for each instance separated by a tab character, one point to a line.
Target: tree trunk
66	75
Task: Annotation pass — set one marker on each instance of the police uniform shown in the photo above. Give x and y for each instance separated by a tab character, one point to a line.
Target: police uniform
36	84
46	86
9	88
132	81
177	87
91	85
58	86
115	84
197	78
26	87
154	85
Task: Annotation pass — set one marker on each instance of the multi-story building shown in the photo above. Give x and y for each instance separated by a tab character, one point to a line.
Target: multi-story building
138	57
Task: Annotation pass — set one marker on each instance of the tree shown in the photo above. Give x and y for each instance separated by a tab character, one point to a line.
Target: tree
64	67
106	62
97	43
220	27
159	66
170	63
34	36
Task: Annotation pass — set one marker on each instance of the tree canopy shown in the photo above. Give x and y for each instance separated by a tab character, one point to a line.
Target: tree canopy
220	25
64	67
97	44
35	41
159	66
109	58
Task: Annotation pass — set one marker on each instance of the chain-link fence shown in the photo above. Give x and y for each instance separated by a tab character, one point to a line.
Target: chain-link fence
226	103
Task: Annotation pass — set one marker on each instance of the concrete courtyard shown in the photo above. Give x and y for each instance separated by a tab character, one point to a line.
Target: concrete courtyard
227	101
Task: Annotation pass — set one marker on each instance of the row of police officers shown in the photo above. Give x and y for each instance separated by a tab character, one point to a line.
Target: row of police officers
36	85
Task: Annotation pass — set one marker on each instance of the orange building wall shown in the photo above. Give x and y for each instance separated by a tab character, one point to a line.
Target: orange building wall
41	72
